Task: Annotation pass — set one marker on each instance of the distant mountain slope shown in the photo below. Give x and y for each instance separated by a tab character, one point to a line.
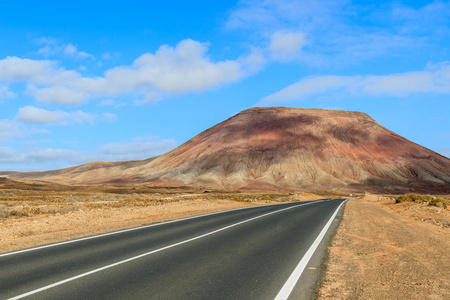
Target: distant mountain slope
282	148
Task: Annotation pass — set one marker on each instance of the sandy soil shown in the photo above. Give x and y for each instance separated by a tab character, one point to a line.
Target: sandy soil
384	250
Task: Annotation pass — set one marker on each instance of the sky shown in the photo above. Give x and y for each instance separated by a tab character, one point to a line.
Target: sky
84	81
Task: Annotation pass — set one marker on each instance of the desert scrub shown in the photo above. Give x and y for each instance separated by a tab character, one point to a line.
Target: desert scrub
431	201
4	211
18	212
439	202
413	198
241	199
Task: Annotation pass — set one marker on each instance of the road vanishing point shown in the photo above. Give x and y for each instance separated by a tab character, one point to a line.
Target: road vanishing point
265	252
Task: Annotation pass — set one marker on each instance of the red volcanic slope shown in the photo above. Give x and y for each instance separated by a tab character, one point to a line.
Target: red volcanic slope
283	148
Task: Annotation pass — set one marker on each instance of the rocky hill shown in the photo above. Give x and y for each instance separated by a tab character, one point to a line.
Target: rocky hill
281	148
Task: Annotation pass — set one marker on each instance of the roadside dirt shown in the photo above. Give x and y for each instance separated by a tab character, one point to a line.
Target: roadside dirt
33	214
384	250
17	233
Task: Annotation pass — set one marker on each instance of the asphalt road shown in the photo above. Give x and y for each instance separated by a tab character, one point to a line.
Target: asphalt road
241	254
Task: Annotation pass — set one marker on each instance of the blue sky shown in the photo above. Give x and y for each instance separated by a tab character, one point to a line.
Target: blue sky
122	80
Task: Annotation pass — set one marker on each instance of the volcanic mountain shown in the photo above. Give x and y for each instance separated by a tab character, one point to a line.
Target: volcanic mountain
281	148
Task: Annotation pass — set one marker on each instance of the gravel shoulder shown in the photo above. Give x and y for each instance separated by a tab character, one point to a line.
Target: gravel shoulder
384	250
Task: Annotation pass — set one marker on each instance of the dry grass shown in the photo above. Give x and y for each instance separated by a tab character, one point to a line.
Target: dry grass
27	199
34	214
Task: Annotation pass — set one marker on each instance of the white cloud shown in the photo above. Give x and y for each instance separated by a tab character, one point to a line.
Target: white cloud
108	102
6	93
434	79
34	115
444	151
52	48
310	86
71	50
38	72
81	117
47	51
58	95
338	31
9	129
253	62
170	70
45	40
30	114
286	45
109	56
56	158
173	70
435	15
139	148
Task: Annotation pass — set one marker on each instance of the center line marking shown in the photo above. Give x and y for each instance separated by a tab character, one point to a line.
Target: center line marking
149	253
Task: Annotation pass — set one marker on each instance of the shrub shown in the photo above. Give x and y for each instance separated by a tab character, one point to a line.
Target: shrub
4	212
437	202
413	198
18	212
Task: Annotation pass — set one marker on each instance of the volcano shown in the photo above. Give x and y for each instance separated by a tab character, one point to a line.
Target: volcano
281	149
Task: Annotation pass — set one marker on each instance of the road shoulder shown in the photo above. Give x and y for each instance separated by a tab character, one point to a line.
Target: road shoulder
378	253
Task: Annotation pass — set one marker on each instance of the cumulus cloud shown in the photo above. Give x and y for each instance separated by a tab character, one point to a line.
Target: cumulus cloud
434	79
34	115
58	95
37	72
170	70
180	69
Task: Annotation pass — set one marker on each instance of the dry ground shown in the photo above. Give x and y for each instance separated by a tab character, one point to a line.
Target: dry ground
384	250
33	214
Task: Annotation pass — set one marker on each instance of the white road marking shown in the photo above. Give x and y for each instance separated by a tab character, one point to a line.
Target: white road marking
289	285
151	252
124	230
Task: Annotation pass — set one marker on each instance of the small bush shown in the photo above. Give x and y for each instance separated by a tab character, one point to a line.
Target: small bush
4	212
413	198
18	212
431	201
437	202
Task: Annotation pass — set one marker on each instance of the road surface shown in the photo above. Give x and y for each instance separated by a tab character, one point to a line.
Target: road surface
253	253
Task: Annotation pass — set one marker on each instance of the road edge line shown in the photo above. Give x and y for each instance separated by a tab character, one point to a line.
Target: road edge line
149	253
289	285
14	252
